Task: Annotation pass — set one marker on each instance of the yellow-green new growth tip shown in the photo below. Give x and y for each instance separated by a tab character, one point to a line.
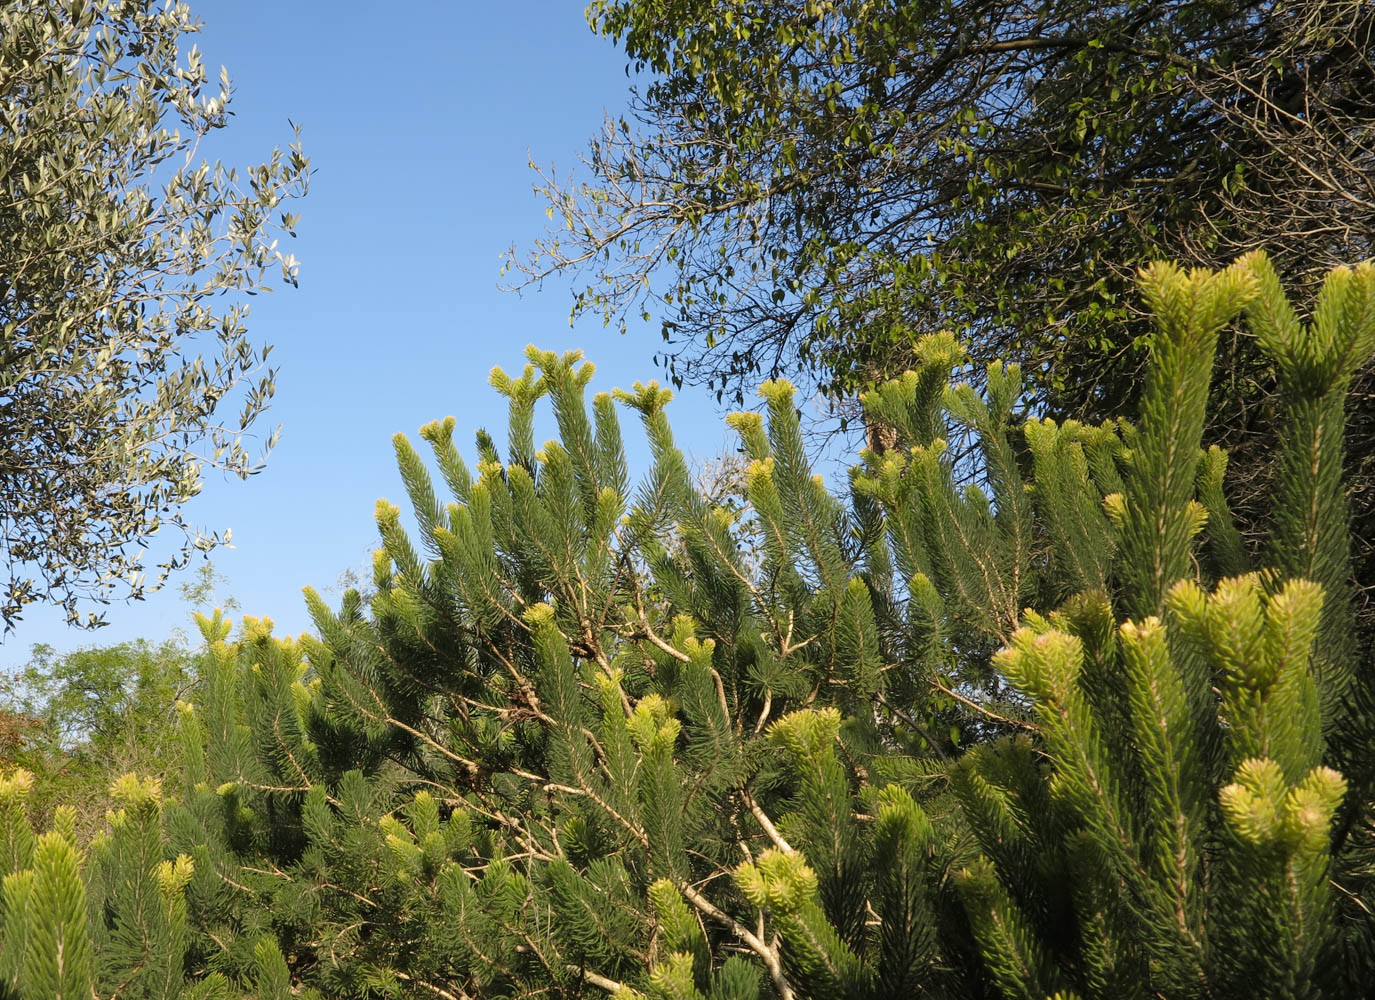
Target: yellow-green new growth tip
132	791
1149	633
1262	810
900	818
672	977
652	725
555	367
437	431
939	350
539	614
64	823
760	468
174	876
1310	807
778	392
386	513
525	389
699	651
1044	665
744	421
681	629
252	629
16	785
649	398
777	880
808	732
1196	302
214	629
1252	803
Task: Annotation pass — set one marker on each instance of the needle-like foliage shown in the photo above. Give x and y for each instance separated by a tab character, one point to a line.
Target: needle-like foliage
1021	715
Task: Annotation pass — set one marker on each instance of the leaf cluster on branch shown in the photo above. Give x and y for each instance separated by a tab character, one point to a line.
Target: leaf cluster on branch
117	247
815	183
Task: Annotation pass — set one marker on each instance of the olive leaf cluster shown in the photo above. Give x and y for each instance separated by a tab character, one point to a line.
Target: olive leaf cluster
125	367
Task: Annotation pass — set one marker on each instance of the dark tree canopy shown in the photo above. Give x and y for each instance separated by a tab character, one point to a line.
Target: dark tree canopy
117	246
812	184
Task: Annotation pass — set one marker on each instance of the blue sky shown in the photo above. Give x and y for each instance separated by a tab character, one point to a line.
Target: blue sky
420	119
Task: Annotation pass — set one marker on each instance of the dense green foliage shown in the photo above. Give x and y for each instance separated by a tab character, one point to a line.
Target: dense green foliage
109	922
814	183
1056	730
119	350
1024	711
84	718
103	701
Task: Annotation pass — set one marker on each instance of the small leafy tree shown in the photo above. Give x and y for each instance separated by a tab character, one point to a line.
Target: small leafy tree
106	701
116	245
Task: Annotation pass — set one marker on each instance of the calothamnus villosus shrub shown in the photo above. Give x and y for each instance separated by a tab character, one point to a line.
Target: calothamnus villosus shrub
1033	722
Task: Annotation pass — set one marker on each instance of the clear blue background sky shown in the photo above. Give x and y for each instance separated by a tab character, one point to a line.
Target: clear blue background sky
420	119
